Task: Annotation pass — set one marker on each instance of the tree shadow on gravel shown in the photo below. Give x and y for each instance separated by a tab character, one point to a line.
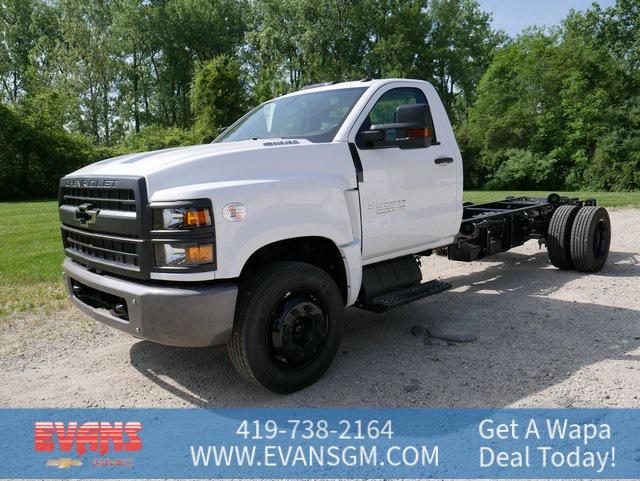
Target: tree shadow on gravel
527	340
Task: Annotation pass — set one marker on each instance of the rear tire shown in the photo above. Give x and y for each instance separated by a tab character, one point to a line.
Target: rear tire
559	236
591	239
288	326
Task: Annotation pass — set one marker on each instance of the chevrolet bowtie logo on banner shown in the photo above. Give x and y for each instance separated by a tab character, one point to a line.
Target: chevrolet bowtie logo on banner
63	463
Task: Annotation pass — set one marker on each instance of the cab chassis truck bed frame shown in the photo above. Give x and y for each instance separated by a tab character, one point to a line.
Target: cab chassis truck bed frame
576	232
501	225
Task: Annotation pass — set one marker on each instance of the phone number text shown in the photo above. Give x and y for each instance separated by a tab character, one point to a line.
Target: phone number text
348	429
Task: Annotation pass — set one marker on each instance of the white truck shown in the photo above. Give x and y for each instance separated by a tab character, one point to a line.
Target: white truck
311	202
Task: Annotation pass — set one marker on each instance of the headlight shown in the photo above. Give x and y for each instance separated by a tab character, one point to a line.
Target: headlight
179	218
183	255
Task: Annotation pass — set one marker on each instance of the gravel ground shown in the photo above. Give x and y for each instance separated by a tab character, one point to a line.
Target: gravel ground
535	336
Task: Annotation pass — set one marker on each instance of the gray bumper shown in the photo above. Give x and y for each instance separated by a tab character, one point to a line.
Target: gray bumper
174	316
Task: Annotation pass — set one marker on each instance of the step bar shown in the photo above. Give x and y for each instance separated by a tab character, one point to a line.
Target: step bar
404	296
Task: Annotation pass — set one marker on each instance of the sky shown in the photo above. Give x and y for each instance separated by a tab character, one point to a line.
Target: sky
513	16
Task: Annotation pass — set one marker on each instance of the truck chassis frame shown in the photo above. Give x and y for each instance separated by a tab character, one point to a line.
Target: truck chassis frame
486	229
501	225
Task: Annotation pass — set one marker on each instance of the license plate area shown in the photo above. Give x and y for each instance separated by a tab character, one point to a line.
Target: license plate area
116	305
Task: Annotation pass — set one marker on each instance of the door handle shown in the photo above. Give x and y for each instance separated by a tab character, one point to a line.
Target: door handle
443	160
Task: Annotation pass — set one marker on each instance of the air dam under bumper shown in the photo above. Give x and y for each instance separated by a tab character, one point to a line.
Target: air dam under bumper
174	316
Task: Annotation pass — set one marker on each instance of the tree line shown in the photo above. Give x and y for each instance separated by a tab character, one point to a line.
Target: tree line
81	81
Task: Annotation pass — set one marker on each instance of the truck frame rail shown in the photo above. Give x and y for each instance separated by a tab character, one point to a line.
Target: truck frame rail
498	226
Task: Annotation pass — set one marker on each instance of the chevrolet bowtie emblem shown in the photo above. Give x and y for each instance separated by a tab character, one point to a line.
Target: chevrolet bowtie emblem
63	463
86	214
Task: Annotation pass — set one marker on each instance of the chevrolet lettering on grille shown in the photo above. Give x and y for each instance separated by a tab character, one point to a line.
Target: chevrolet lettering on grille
91	183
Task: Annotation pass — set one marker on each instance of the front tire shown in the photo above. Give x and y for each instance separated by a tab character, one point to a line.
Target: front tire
288	326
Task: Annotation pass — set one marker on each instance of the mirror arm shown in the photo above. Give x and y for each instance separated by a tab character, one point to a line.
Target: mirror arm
372	136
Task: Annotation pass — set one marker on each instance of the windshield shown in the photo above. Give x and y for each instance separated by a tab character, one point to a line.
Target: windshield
313	116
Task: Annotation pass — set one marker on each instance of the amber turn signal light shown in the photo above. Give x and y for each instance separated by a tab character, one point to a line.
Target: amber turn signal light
199	254
196	218
419	133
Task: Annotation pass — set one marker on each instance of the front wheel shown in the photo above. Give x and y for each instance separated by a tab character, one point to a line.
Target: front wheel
288	326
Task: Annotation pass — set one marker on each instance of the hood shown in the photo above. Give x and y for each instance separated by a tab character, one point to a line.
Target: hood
145	163
212	165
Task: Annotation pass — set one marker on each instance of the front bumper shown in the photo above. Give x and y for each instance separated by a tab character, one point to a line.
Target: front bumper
174	316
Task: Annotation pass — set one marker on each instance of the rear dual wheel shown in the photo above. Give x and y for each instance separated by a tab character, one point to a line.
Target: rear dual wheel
559	236
579	238
590	239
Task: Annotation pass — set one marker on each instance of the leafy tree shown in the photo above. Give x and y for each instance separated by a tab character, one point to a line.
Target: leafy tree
87	58
616	160
183	33
218	96
460	47
156	137
615	27
557	107
131	32
34	155
16	41
298	42
522	169
552	96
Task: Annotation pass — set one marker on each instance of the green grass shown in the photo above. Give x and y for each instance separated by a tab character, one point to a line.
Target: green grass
30	258
31	250
605	199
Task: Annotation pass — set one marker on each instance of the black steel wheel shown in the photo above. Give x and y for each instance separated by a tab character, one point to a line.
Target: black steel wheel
591	239
288	326
298	328
559	236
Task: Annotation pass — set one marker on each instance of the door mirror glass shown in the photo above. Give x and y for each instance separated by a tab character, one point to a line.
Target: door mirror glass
412	129
413	114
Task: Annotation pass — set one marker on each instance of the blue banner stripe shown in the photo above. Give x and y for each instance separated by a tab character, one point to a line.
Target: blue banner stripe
320	443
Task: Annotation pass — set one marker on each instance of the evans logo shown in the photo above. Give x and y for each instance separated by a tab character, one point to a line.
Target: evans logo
95	436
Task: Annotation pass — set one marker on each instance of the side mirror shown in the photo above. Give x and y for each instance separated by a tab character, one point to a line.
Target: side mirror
411	130
370	137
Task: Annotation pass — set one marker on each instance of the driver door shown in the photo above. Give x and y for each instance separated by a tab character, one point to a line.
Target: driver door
408	196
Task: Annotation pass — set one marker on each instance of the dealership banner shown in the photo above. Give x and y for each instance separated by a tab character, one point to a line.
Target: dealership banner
320	443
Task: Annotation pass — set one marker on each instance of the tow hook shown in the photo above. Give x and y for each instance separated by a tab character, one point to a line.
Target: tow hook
120	310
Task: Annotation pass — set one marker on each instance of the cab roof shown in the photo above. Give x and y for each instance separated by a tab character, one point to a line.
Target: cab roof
366	83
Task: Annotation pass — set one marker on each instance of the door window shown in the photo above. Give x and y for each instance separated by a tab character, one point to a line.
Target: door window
384	110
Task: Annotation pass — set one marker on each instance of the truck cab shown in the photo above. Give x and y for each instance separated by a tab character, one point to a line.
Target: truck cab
314	201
